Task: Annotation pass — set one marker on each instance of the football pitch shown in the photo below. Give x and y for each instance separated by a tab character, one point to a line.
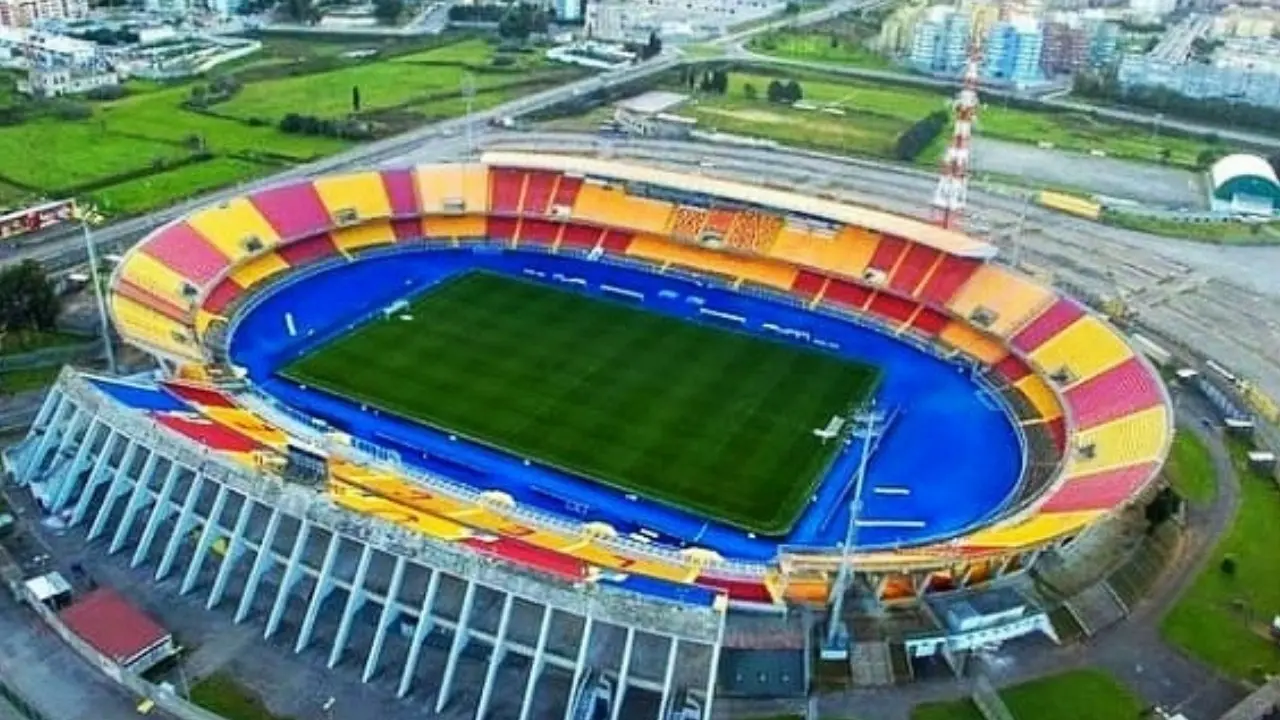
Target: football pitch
706	419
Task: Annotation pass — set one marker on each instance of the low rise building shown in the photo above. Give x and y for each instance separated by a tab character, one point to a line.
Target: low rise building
49	82
25	13
628	20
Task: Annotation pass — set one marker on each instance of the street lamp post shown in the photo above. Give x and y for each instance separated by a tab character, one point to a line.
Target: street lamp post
104	325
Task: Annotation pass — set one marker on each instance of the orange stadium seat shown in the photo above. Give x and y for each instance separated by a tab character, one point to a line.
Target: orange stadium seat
753	231
720	220
972	342
687	223
999	300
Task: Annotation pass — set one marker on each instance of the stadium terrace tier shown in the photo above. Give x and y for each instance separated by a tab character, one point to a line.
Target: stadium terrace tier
1007	418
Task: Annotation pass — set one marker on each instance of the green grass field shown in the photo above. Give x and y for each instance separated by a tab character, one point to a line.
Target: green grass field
818	47
1074	695
138	196
707	419
1215	233
223	696
1223	619
875	114
1190	469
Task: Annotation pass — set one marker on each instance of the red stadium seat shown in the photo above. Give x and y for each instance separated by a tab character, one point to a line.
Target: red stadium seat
1122	390
887	253
1012	368
401	192
616	241
917	263
846	294
407	229
530	556
538	192
892	307
807	284
947	279
505	187
306	251
188	252
1058	431
221	295
741	590
1052	321
929	321
293	211
207	433
1098	491
583	237
199	395
500	228
541	232
567	191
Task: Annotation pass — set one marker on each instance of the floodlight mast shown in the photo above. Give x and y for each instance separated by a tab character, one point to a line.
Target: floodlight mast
866	420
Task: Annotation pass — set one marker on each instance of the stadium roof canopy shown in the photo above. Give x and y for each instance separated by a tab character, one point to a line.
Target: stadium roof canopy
948	241
1247	175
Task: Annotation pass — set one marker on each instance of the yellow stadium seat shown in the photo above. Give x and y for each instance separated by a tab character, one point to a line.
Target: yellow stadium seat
1128	440
140	323
753	231
614	208
848	252
361	192
159	279
1035	530
373	232
232	226
447	226
258	269
763	272
363	501
1040	395
1084	348
443	187
248	424
1006	298
203	320
965	338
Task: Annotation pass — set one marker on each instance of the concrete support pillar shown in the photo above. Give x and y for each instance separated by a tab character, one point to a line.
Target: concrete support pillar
668	677
65	473
98	475
461	635
261	561
624	674
712	672
235	548
212	529
62	487
31	462
355	600
180	527
137	499
114	490
68	427
292	569
495	657
324	584
419	634
390	613
159	512
579	666
536	664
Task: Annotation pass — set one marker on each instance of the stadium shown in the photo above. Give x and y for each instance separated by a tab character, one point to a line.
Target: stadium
585	413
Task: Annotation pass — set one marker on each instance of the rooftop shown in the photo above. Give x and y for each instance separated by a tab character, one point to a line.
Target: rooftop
112	626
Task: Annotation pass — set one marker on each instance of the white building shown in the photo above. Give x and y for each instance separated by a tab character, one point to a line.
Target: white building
634	20
568	11
55	82
24	13
34	47
1151	9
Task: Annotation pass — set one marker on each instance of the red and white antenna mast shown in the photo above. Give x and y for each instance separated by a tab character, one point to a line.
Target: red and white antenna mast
953	185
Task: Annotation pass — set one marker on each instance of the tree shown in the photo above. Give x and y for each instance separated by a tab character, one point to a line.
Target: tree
749	91
1207	158
720	82
1228	566
27	300
355	98
388	11
794	92
774	92
1165	154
